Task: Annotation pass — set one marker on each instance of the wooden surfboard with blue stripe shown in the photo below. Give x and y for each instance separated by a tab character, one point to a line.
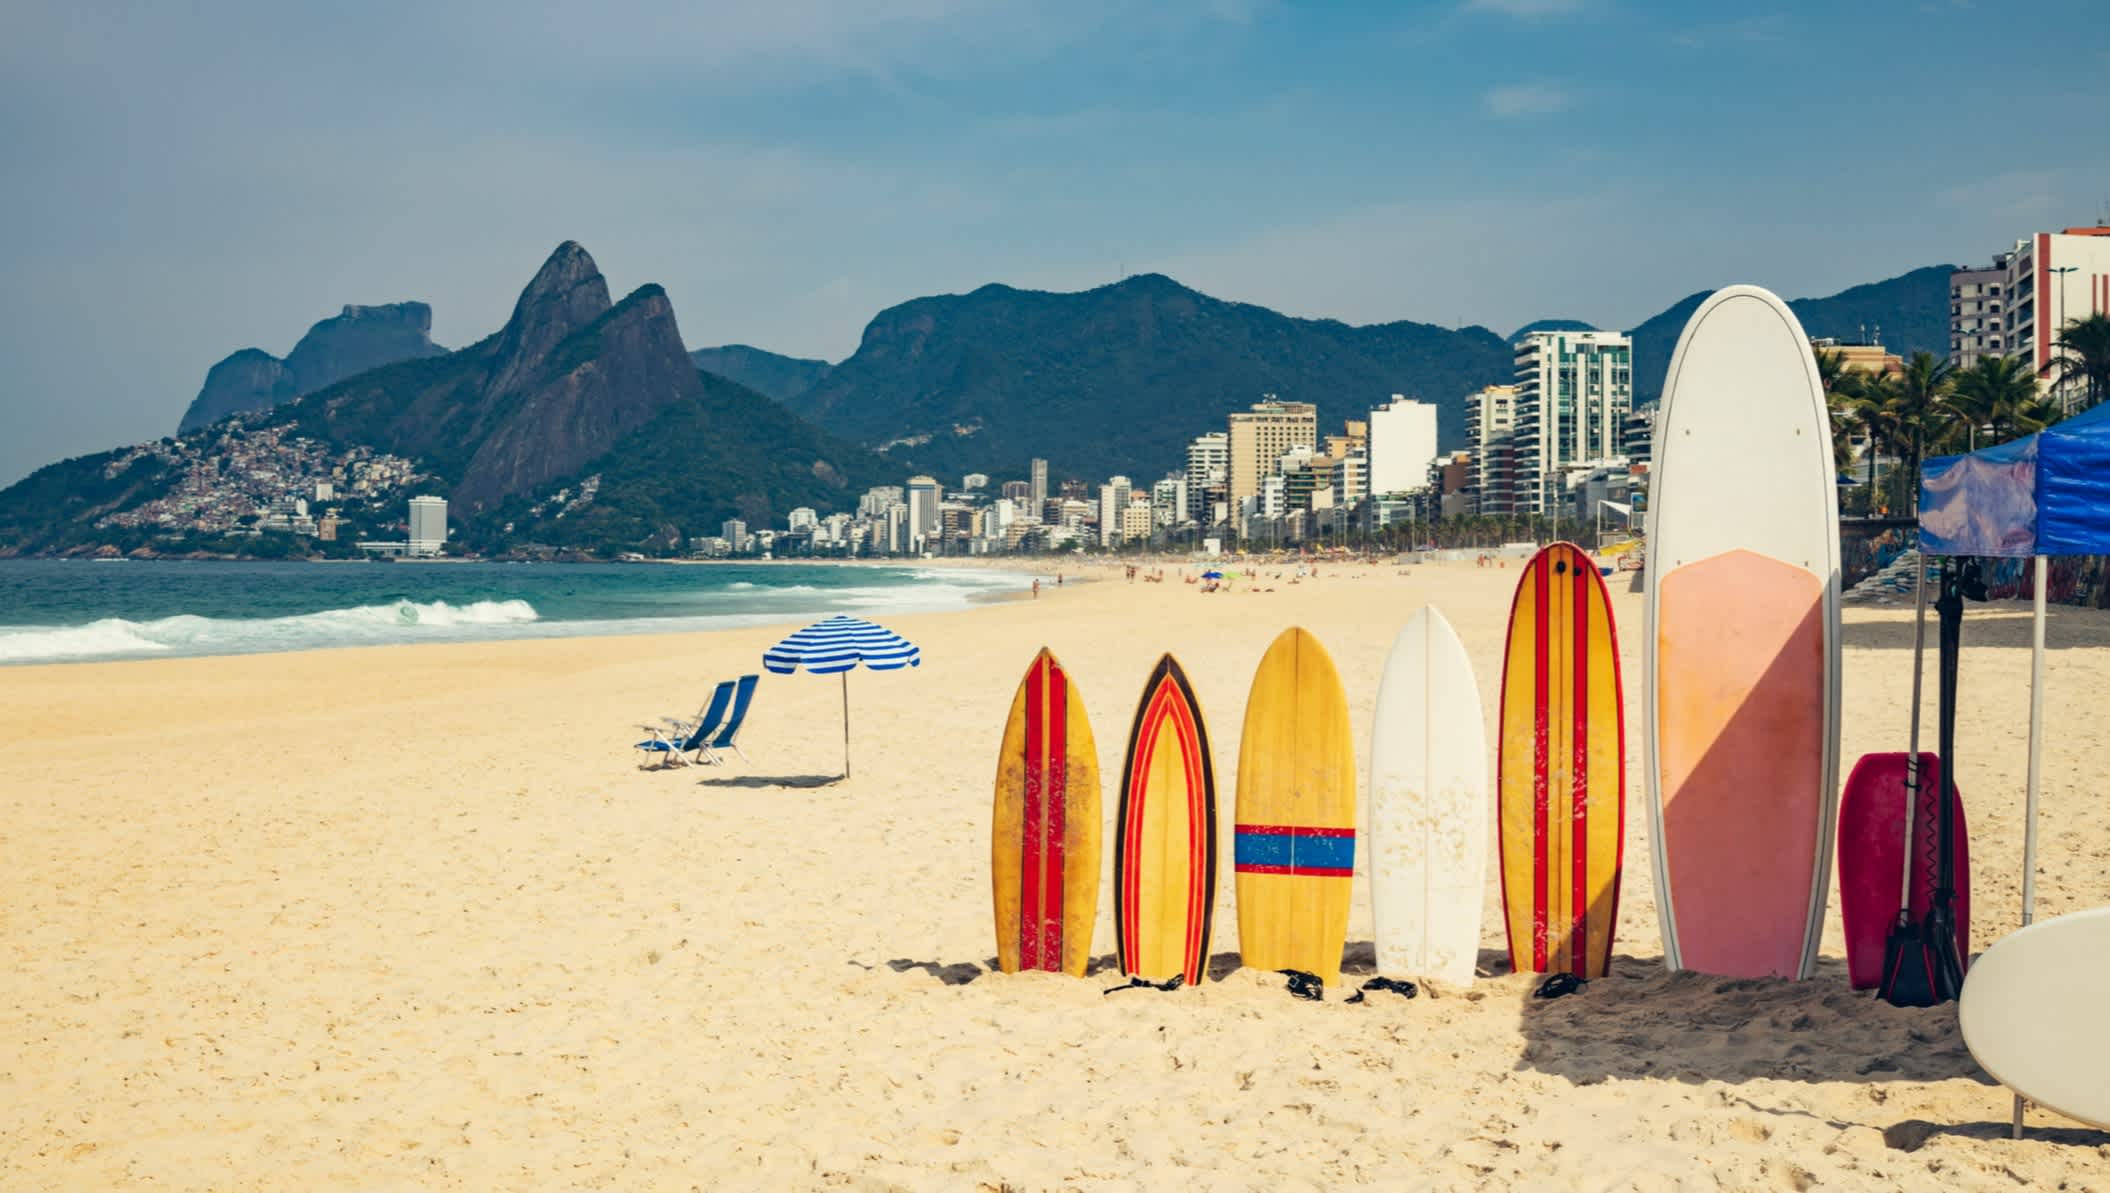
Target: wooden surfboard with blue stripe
1044	852
1294	838
1165	835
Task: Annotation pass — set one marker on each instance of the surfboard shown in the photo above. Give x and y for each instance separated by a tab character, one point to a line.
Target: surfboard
2032	1014
1165	834
1872	858
1741	645
1428	806
1294	844
1044	855
1561	769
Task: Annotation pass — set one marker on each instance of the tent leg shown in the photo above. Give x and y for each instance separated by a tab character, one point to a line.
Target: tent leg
846	726
2036	759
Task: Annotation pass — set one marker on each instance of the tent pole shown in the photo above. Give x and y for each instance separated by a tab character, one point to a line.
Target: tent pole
846	726
2038	570
2036	742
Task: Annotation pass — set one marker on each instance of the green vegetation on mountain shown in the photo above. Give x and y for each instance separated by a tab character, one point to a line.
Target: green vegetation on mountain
1118	379
768	374
355	340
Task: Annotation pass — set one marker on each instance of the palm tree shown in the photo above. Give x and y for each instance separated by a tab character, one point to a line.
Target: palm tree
1876	413
1924	415
1999	397
2086	347
1839	397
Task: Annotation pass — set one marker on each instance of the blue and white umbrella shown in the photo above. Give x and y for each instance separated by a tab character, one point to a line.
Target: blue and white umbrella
836	646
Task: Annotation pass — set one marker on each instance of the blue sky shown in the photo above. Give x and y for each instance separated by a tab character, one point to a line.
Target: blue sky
183	181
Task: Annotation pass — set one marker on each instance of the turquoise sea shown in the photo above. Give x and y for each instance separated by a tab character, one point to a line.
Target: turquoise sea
78	610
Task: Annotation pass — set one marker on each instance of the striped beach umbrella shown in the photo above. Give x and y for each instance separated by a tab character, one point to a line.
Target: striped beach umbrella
836	646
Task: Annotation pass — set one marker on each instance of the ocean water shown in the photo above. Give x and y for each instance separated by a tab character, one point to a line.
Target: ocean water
79	610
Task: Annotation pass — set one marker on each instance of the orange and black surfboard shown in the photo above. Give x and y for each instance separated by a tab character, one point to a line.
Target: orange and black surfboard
1044	855
1165	837
1561	774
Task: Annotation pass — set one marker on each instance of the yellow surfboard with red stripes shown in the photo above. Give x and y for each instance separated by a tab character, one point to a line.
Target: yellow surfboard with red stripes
1294	849
1561	774
1165	835
1044	855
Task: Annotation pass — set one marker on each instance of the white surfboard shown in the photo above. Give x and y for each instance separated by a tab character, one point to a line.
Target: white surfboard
2032	1014
1740	652
1428	806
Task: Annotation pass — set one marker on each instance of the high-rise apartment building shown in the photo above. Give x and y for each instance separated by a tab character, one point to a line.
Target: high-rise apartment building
1208	472
1168	500
1018	491
1113	498
802	518
1039	483
1402	442
428	525
1490	417
2051	279
1258	438
1978	312
1574	389
923	498
734	532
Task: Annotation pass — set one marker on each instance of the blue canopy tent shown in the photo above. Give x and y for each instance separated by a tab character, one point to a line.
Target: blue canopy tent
2042	495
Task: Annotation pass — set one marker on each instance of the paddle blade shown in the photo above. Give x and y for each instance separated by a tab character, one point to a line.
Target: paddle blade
1908	968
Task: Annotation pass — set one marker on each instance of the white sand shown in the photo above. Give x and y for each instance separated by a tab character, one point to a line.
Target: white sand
411	917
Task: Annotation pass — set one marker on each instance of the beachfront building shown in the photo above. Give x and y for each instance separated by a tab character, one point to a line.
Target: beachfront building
2049	279
974	480
802	518
1168	500
428	525
1977	312
1039	483
734	531
1402	442
1208	475
878	500
923	499
1490	419
1137	518
1573	392
1113	498
1258	438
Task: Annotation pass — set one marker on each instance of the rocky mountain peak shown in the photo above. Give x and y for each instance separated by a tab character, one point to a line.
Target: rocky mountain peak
567	293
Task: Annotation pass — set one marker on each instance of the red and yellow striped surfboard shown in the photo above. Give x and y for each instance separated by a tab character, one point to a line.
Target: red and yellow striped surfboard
1561	772
1165	836
1044	853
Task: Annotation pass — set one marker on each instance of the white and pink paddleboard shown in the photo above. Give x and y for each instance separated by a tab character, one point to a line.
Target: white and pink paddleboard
1740	654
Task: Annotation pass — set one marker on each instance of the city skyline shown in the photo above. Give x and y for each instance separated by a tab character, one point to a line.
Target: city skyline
199	185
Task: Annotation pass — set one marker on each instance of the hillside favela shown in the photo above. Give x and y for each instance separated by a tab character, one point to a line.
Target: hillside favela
1482	595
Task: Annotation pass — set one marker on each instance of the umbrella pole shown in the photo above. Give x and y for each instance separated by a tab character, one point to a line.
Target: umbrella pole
2036	759
846	726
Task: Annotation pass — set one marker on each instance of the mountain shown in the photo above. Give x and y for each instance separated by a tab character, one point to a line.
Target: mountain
1911	311
779	377
1118	379
580	423
1549	325
358	339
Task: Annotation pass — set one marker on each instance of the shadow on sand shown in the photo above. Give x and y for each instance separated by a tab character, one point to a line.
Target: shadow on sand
754	782
2003	624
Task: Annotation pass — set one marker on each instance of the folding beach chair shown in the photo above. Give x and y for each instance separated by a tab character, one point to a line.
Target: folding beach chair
680	739
728	737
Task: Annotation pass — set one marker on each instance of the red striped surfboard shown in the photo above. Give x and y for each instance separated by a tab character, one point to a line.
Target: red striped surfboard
1165	835
1561	775
1044	849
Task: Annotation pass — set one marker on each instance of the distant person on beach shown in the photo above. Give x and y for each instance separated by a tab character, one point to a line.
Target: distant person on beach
1036	588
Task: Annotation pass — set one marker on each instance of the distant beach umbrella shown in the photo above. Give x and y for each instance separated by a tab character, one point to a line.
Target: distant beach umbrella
836	646
1212	574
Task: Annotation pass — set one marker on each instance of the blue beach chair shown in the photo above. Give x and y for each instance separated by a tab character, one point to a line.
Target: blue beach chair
728	737
680	739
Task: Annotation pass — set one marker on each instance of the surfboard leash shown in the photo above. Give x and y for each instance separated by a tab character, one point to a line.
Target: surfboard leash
1172	983
1403	989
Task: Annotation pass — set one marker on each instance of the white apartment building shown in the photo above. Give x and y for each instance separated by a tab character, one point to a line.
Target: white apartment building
428	525
1490	418
1168	500
1040	484
923	499
802	518
1208	469
2049	279
1574	390
734	532
1113	498
1402	442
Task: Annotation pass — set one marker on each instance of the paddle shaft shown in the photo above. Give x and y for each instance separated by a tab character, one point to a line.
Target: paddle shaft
1912	759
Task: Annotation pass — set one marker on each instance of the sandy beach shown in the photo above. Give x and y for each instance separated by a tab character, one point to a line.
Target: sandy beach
412	917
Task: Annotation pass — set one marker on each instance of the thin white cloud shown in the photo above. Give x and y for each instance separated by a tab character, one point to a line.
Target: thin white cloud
1528	99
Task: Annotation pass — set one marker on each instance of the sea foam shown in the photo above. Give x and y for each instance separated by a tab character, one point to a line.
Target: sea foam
360	625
